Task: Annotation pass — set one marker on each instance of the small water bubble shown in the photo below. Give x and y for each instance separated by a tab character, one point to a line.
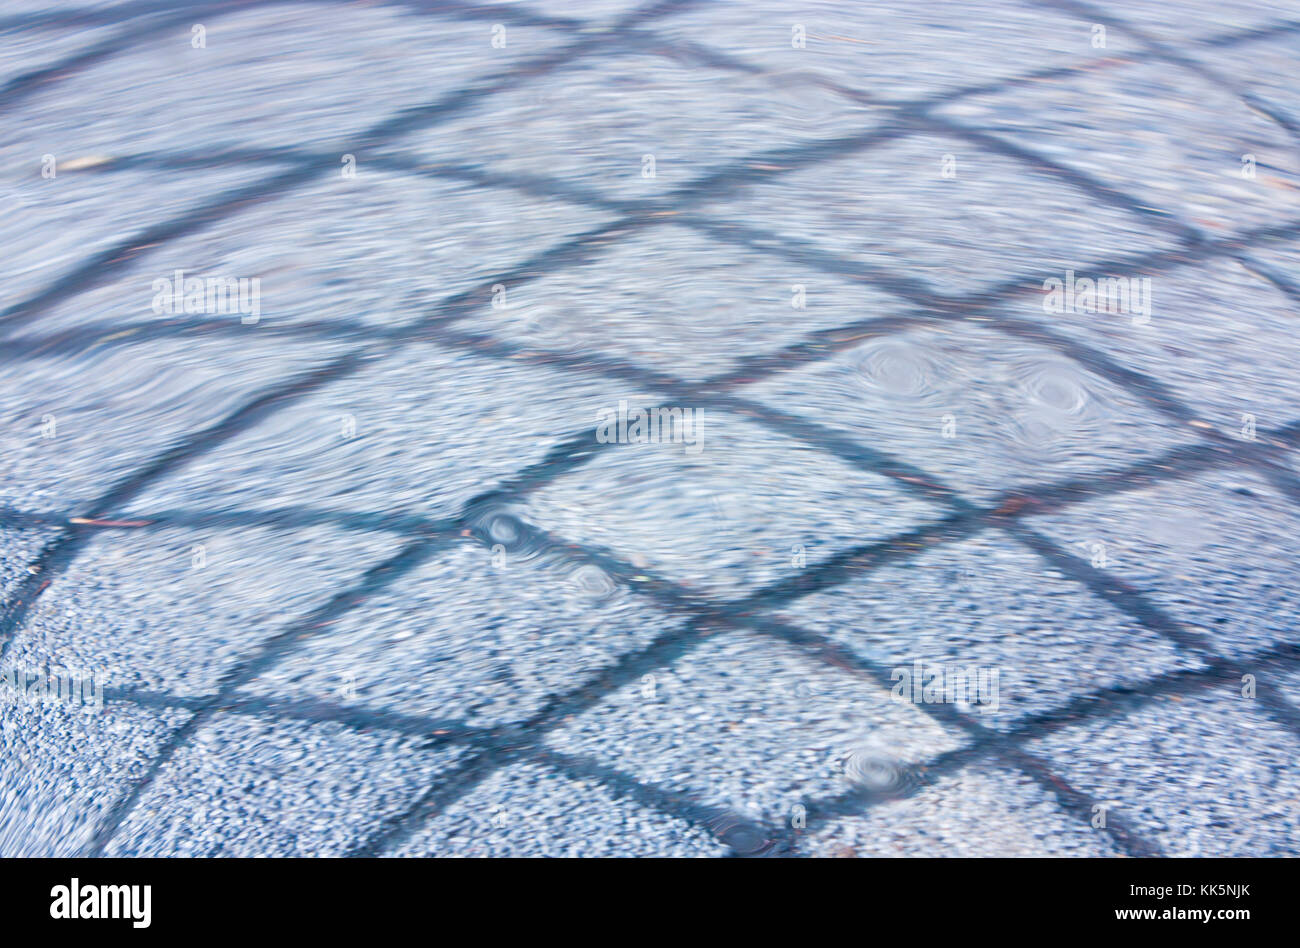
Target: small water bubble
897	368
592	583
878	770
745	838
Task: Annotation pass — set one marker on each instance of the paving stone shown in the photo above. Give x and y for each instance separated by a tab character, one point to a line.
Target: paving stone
896	53
1286	683
1036	416
984	813
745	508
1259	69
81	212
72	428
526	810
26	54
134	608
66	767
690	118
1165	768
749	724
1216	336
1216	552
775	167
712	305
995	220
249	787
19	551
268	77
419	432
1192	20
982	608
463	641
1163	136
345	263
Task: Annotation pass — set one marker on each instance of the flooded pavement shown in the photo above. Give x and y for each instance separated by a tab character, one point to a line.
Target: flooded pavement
689	429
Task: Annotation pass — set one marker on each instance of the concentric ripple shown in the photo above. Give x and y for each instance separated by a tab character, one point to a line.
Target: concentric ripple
899	368
879	770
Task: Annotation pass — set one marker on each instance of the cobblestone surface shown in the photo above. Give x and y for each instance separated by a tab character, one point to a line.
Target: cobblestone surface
354	569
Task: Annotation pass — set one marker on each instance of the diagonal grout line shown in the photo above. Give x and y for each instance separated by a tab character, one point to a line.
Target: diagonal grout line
920	115
60	552
1182	461
1091	707
1250	35
1117	701
738	174
1140	384
415	552
817	436
821	648
146	20
676	642
1087	709
1160	218
477	771
1146	388
817	345
1270	275
813	348
909	477
1069	798
63	550
823	344
155	23
439	732
119	15
1138	606
1169	259
97	269
731	615
1127	599
453	785
741	835
981	309
436	731
278	518
924	298
1279	708
124	13
1172	54
898	284
712	56
94	271
1111	702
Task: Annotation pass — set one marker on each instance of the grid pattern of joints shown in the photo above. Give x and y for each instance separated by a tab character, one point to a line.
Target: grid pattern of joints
704	617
